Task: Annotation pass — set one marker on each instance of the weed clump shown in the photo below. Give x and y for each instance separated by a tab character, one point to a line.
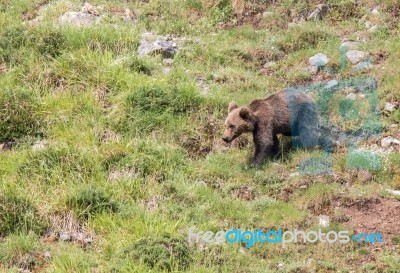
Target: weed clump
89	202
161	253
303	38
59	165
18	215
19	114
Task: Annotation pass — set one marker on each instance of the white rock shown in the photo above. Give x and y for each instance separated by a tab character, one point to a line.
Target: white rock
318	59
168	61
269	64
331	83
373	28
393	191
79	19
389	107
351	96
324	221
355	56
386	142
267	14
40	145
375	11
65	237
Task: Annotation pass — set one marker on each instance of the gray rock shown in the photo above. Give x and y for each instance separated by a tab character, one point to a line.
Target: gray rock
373	28
40	145
47	255
318	59
394	125
389	107
363	65
65	237
88	240
356	56
79	19
168	61
156	44
350	45
386	142
318	13
269	64
331	83
375	10
267	14
202	84
166	70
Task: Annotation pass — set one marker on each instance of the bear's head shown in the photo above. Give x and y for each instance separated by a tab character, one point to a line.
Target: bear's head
240	120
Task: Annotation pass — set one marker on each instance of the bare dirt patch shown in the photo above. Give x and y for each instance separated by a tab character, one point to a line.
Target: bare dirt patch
375	215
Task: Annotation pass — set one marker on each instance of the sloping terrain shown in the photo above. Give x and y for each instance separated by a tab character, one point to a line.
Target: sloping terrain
111	118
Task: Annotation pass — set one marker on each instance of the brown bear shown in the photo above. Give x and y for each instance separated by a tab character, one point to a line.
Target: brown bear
287	113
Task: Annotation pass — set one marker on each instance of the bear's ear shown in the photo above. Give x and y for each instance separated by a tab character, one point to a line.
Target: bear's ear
245	114
232	106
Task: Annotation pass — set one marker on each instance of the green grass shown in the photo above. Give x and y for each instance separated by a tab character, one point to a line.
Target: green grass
134	156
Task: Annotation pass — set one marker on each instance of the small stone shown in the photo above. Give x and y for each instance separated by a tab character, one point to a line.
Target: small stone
168	61
351	96
65	237
386	142
355	56
323	221
201	183
40	145
393	191
303	187
269	64
373	28
393	125
294	174
88	240
318	59
47	254
318	13
3	68
389	107
89	9
166	70
331	83
363	65
350	45
267	14
375	11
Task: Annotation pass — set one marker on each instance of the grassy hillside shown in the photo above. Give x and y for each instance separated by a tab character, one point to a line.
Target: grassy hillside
107	157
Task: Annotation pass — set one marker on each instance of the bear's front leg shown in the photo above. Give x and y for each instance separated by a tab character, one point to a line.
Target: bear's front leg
265	144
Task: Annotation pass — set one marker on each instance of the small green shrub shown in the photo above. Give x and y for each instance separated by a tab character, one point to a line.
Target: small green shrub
161	253
19	114
302	38
12	39
57	165
49	42
89	202
18	215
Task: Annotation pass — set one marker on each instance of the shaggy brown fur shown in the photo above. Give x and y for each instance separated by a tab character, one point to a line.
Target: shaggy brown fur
266	118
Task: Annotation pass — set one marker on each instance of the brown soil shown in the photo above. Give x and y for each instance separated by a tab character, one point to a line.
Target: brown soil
376	215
